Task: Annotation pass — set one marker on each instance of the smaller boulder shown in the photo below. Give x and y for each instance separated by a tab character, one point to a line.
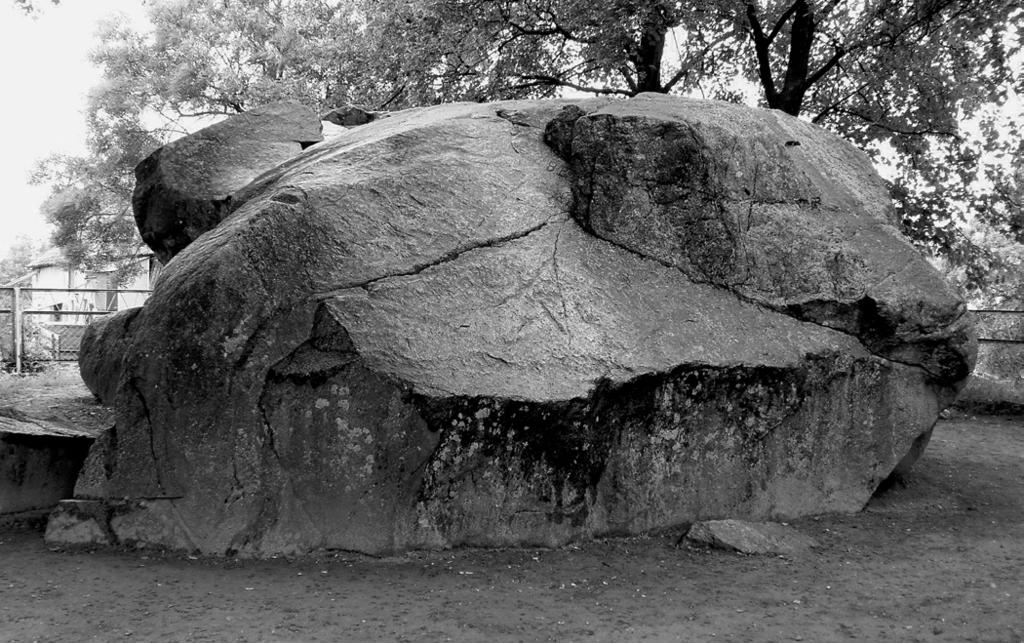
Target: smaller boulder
350	116
91	483
185	188
39	460
750	537
79	522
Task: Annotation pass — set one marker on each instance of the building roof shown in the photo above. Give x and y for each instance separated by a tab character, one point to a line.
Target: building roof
52	257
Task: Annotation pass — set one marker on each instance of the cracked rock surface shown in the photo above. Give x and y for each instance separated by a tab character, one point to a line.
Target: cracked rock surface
769	207
527	323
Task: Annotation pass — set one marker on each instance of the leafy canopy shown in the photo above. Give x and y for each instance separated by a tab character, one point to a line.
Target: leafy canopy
15	263
31	6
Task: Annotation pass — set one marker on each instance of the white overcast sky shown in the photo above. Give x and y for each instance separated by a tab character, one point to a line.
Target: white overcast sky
46	77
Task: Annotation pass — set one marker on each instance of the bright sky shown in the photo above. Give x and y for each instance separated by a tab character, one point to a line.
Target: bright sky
46	77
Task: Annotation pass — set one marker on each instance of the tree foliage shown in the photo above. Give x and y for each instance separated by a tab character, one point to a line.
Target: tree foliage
15	263
31	6
899	78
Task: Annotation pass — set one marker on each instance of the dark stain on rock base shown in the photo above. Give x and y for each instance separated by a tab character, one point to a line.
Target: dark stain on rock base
472	462
552	458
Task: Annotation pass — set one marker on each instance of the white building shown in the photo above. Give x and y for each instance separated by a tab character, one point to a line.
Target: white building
67	288
58	300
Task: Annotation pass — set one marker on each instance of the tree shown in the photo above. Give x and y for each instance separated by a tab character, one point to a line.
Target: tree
15	263
899	78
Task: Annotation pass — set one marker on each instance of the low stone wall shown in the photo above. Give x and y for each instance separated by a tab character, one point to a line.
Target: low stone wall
39	461
997	384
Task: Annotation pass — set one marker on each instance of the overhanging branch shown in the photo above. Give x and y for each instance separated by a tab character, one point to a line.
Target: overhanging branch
541	80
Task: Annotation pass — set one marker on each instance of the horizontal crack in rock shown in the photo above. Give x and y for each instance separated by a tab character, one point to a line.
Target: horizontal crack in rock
780	309
443	259
776	308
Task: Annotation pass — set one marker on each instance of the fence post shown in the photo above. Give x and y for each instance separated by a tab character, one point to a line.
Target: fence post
16	334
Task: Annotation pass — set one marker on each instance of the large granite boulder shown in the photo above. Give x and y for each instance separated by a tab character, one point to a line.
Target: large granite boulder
186	187
526	323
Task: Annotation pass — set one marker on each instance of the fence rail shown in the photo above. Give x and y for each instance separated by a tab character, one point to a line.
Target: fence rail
63	314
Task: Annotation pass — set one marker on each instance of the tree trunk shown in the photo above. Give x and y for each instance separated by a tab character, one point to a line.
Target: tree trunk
791	98
648	57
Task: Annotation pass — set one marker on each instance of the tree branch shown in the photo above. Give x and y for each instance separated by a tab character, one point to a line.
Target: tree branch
761	45
824	11
832	62
540	80
630	81
924	131
838	103
780	23
208	112
554	30
684	68
393	97
676	77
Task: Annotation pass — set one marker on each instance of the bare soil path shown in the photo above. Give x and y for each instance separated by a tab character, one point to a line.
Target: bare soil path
939	558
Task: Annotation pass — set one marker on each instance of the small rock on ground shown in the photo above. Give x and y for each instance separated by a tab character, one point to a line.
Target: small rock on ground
750	537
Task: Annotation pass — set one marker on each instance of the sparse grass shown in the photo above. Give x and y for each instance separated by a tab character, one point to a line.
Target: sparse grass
58	377
55	393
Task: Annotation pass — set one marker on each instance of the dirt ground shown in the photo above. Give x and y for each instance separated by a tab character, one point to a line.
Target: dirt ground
938	558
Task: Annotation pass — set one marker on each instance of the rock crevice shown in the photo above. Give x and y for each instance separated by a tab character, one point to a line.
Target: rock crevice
449	256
